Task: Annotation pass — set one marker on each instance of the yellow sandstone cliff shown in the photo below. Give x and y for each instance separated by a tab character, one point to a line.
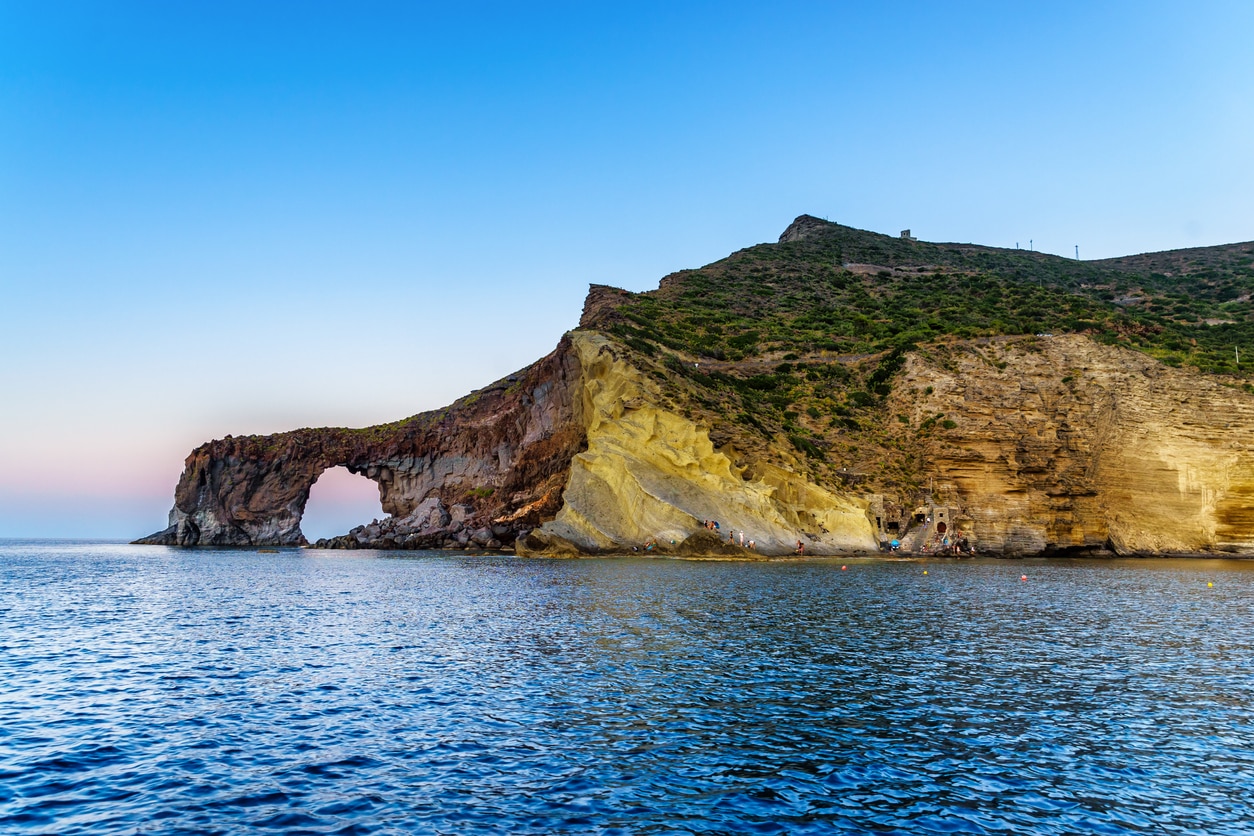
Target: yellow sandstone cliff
651	474
1056	444
1062	442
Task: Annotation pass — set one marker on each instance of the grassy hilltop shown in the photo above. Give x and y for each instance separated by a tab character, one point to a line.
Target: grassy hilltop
802	339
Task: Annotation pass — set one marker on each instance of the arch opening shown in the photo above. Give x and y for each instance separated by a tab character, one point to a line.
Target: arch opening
339	501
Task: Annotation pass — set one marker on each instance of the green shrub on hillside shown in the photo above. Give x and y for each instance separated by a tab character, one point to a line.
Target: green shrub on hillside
796	298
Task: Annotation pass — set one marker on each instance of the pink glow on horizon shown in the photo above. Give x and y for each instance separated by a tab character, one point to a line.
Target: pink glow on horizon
338	502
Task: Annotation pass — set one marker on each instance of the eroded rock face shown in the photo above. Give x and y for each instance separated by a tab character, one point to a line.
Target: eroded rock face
651	474
805	226
576	451
1063	443
1046	444
492	454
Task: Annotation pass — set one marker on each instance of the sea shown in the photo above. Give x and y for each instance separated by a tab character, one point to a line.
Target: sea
146	690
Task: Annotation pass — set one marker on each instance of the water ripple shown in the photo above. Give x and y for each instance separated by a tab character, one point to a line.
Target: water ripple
153	690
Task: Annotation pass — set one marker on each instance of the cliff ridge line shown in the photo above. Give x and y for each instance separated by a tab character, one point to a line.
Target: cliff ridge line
758	392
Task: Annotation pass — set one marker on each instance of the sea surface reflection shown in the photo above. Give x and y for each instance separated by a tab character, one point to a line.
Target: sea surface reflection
150	690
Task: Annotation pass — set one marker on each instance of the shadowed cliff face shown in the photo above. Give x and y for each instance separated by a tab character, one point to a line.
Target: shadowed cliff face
490	455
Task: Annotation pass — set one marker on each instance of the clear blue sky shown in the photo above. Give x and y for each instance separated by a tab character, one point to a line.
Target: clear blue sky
247	217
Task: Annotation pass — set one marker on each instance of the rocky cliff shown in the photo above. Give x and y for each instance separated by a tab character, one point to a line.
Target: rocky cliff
501	451
820	390
651	474
575	454
1062	443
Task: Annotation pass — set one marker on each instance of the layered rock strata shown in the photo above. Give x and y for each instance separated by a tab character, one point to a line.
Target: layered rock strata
1062	443
650	474
501	452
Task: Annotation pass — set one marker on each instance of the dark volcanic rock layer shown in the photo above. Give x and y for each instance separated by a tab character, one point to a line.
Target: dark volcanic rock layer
501	453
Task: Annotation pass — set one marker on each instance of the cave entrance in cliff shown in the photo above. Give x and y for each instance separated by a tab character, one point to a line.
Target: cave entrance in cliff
338	502
941	528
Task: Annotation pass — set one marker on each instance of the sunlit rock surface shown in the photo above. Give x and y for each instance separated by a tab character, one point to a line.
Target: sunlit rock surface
1065	443
649	474
1059	443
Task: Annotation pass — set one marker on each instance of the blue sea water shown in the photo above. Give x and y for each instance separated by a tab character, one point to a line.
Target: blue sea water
151	690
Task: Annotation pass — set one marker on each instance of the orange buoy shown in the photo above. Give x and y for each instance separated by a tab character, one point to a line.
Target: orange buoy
843	568
1023	577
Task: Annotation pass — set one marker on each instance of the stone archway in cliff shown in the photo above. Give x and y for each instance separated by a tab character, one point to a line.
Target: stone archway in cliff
338	502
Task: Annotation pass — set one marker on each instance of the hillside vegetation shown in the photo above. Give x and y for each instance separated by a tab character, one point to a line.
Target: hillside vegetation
801	340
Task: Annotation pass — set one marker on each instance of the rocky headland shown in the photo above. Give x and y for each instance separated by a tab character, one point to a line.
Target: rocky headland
840	389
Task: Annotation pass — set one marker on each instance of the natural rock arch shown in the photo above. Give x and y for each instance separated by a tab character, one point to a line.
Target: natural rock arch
498	452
